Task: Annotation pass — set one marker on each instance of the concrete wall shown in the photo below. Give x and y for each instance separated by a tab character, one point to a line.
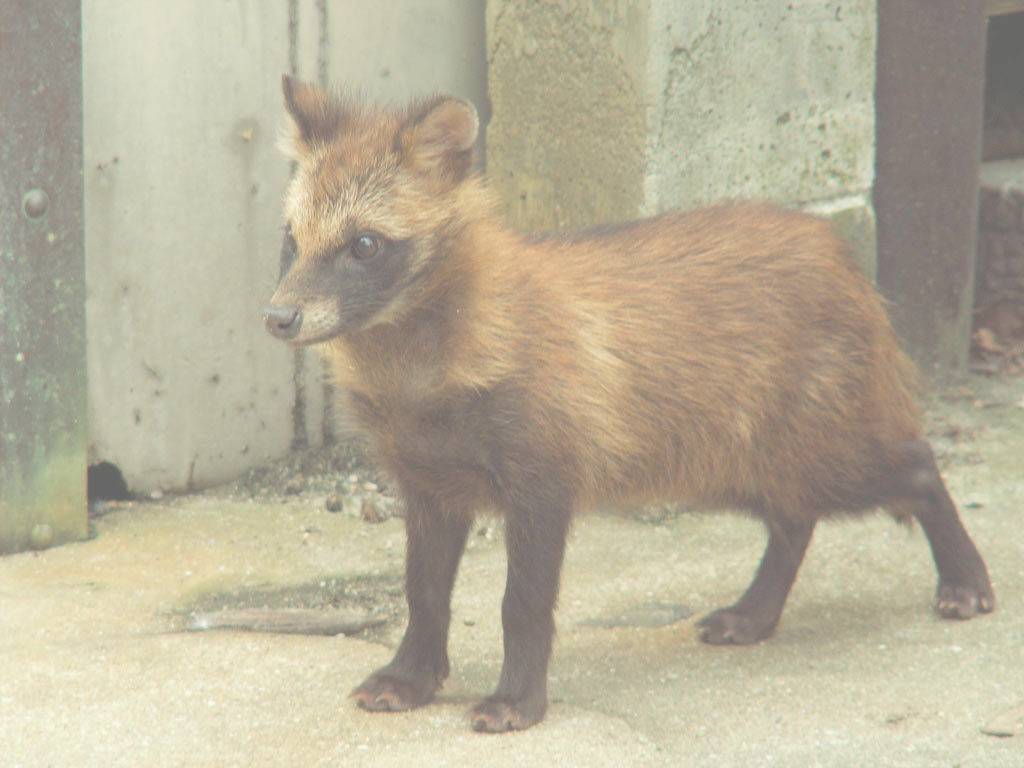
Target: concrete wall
605	110
182	185
182	200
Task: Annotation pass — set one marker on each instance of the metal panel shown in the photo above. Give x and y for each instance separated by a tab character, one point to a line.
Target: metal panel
929	115
42	276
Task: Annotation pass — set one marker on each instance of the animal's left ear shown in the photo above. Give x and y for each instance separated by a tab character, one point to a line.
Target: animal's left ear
437	140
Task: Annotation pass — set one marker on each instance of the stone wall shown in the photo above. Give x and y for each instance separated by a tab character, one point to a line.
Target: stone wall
606	110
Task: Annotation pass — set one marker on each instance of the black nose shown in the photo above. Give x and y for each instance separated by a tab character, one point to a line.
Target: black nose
282	322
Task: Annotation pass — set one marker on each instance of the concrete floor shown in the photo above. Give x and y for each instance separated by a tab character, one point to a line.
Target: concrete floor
96	671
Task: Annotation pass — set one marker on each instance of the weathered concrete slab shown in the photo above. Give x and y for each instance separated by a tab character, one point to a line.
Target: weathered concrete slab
860	671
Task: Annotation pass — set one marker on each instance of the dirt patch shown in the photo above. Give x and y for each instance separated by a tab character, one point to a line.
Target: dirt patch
339	477
343	478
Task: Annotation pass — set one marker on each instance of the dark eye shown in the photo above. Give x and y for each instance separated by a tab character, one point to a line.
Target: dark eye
366	246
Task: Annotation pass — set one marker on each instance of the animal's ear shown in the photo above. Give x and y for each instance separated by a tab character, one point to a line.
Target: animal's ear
315	117
437	139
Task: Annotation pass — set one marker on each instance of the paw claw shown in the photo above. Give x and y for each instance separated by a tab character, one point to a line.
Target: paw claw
382	692
729	627
388	701
494	715
963	602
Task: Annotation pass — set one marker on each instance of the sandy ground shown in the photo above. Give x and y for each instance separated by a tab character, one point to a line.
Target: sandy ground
97	670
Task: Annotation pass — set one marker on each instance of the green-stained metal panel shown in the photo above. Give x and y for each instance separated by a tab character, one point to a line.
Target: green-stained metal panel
42	276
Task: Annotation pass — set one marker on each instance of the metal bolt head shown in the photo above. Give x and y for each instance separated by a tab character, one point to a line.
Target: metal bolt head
35	203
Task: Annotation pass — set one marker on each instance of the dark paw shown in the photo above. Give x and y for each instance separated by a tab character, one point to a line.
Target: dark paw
497	714
729	627
385	692
964	602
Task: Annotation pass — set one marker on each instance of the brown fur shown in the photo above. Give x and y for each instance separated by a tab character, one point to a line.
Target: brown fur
730	356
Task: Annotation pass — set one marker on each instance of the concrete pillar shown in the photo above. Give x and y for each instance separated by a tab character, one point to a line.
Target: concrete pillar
930	103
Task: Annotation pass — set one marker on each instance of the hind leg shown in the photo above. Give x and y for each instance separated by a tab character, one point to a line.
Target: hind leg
755	615
964	587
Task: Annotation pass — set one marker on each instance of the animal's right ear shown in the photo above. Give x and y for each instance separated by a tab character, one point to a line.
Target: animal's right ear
437	140
315	117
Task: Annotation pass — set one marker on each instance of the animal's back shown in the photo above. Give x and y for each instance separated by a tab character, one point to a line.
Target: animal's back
732	355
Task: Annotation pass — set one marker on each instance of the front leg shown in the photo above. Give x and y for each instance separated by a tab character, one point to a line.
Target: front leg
535	540
436	538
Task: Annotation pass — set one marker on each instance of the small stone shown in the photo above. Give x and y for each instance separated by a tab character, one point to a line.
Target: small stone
333	503
1006	724
370	513
293	486
41	536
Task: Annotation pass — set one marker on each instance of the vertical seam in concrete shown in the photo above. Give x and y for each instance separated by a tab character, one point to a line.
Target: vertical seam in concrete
322	62
293	32
323	44
299	436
